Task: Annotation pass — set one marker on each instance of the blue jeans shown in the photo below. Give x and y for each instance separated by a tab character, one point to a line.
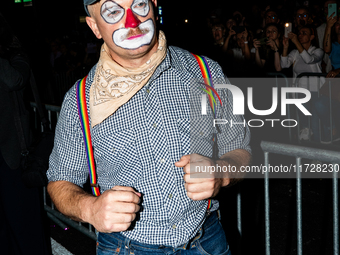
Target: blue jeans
209	240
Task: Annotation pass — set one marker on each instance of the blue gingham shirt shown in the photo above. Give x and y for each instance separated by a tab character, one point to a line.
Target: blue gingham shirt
138	145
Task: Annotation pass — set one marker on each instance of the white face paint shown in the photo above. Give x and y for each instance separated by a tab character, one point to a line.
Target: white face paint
123	39
141	7
112	12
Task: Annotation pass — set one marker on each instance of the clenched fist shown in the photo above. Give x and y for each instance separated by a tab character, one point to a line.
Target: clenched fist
199	185
115	209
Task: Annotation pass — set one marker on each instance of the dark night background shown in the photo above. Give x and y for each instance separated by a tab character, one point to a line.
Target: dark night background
51	19
46	20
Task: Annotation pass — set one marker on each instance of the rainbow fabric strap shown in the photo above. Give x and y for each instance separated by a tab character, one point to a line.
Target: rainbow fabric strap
209	89
208	82
85	126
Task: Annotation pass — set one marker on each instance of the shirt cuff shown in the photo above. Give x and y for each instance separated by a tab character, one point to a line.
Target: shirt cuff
305	56
284	61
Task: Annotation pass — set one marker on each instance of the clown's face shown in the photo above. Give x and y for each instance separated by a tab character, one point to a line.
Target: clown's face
126	26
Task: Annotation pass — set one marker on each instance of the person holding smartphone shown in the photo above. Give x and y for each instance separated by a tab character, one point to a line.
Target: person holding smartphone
331	39
332	47
268	49
305	58
240	56
327	66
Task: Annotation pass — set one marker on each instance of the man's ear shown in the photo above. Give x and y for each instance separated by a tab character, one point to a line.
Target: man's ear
93	25
312	37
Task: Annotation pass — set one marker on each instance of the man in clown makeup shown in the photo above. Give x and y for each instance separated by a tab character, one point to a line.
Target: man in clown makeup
139	109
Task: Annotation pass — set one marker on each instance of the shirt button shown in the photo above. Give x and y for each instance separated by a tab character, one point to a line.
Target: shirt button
170	196
148	91
201	133
174	226
154	125
162	160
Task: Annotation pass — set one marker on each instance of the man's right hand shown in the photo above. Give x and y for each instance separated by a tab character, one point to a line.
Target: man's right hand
114	210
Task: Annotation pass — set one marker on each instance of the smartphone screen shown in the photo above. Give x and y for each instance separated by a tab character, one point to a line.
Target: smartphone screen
288	29
332	8
263	40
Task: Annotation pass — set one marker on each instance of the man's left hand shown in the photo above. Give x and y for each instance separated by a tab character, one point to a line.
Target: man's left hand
200	185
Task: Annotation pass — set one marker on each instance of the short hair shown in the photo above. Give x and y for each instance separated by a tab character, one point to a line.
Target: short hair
90	9
218	24
278	27
302	8
312	30
271	10
325	1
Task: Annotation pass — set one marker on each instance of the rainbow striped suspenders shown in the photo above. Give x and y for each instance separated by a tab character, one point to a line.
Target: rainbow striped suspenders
211	92
209	85
85	125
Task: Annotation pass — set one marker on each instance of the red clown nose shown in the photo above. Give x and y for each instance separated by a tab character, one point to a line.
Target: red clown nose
131	20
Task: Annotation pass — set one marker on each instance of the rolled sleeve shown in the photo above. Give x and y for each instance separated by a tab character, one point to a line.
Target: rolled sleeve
313	58
285	62
235	134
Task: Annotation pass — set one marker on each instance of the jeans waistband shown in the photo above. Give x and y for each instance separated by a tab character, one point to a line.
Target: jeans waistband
211	218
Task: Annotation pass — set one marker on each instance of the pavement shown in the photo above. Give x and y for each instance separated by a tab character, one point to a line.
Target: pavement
58	249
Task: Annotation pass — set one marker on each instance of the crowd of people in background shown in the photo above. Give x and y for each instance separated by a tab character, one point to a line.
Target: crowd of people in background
255	43
246	43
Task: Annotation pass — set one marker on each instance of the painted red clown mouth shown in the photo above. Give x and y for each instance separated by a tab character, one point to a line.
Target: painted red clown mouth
134	37
136	34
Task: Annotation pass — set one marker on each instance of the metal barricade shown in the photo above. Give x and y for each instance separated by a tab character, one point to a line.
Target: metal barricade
57	217
299	152
317	77
286	83
61	82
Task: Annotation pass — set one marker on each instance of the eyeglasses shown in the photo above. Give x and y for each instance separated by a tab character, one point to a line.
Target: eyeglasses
303	15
